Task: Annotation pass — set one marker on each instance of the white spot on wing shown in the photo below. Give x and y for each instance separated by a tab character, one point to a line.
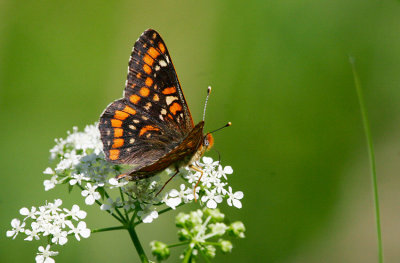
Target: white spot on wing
132	127
132	140
162	63
147	106
170	99
157	67
136	121
163	111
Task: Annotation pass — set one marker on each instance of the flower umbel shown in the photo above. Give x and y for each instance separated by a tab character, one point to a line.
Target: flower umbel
79	163
199	231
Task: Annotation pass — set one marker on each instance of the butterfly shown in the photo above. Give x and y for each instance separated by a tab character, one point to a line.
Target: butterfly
151	126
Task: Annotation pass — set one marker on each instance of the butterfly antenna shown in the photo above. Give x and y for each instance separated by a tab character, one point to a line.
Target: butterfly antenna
226	125
205	104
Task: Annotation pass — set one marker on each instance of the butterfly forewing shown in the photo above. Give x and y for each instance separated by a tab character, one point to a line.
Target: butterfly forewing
152	84
153	118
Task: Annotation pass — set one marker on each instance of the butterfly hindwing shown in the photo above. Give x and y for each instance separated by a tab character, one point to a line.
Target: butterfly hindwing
153	86
130	137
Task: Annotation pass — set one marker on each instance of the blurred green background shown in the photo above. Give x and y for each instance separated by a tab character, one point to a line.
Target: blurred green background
280	73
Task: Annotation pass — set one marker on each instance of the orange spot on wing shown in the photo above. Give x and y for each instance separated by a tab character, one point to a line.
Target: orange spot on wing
114	154
161	47
118	143
147	128
129	110
170	116
139	75
156	98
147	69
120	115
144	92
148	60
175	107
118	132
149	82
134	98
153	52
169	90
116	123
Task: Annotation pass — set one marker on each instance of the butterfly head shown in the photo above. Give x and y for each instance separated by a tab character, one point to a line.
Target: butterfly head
208	141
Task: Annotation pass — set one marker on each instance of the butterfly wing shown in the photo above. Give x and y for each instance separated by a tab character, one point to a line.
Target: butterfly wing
130	136
153	86
153	118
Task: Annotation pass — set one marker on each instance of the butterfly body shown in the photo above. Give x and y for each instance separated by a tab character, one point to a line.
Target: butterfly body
151	127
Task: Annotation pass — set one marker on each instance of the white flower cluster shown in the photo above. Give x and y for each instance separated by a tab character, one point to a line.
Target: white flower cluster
50	221
82	163
213	183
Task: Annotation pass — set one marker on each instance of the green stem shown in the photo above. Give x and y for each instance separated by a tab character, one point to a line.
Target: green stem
137	244
179	244
108	229
123	201
204	255
371	154
188	255
116	208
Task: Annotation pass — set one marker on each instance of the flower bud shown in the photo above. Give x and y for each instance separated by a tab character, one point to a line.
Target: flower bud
226	245
215	214
184	235
160	250
218	229
237	229
181	219
209	251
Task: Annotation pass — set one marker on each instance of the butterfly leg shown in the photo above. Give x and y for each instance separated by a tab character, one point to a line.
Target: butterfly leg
197	169
177	171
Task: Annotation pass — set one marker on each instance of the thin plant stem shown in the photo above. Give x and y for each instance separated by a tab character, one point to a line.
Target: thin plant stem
188	255
123	201
179	244
116	208
137	244
108	229
204	255
371	154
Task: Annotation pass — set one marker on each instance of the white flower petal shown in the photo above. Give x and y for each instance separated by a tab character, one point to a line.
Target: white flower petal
228	170
48	171
207	160
237	203
89	200
173	193
24	211
238	195
211	204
